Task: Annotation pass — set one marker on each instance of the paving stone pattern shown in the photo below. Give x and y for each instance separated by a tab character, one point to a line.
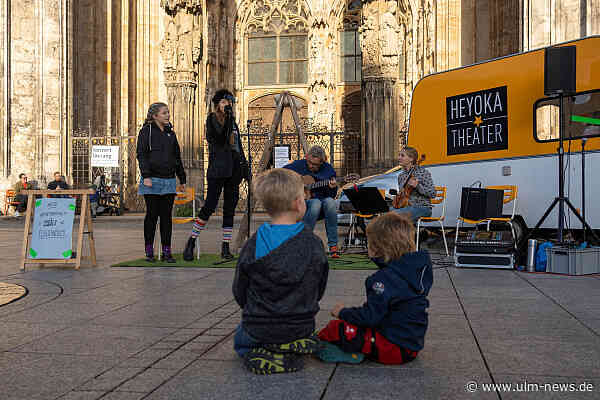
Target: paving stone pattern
159	333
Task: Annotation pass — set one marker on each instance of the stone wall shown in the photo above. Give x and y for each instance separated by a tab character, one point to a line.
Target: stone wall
34	100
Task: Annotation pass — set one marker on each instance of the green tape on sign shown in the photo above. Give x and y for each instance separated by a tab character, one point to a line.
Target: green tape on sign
585	120
33	253
67	253
72	207
38	203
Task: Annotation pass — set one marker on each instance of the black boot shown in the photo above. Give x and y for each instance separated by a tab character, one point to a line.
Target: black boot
166	254
225	253
150	253
188	252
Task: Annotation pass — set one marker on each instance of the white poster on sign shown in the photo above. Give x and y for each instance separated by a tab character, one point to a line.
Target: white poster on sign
52	233
281	156
105	156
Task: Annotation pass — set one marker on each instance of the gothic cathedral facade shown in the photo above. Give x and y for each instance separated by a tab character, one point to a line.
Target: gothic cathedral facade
90	68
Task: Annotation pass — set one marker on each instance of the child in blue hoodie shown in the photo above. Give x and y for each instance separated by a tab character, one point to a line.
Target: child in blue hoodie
390	327
280	277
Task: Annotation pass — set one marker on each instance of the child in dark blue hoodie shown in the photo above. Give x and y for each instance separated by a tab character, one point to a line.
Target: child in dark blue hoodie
390	327
280	277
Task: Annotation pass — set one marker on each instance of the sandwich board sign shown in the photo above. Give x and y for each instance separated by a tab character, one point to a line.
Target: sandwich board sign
52	233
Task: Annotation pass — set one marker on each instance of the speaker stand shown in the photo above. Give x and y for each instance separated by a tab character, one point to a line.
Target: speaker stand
561	200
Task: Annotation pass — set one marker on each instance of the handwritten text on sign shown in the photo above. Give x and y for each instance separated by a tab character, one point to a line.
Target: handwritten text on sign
52	229
477	121
105	156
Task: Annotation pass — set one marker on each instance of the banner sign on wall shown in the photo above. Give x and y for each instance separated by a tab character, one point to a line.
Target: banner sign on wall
105	156
52	233
477	121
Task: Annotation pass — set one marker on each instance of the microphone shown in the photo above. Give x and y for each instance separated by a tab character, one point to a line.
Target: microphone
248	123
228	109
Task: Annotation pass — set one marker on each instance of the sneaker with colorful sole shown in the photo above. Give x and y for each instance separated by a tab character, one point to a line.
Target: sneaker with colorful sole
264	362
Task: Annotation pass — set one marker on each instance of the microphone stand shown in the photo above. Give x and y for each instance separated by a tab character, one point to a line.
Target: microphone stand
249	178
583	141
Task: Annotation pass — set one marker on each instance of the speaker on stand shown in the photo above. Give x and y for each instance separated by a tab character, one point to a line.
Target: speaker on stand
560	72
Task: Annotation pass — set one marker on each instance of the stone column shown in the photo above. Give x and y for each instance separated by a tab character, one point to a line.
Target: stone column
321	80
379	43
181	51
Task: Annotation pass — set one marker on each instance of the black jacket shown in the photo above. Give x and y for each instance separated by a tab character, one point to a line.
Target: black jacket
158	153
58	184
280	292
397	300
222	159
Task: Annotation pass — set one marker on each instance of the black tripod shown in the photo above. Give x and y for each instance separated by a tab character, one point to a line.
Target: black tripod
249	180
561	200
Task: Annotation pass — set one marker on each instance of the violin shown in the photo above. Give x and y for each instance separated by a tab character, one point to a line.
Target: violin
401	199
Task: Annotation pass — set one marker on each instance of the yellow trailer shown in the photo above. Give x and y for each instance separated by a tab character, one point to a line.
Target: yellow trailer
491	123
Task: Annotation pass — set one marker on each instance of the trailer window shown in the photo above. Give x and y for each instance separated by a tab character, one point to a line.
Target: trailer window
581	114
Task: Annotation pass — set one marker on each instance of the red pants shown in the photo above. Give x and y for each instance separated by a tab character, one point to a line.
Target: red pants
356	339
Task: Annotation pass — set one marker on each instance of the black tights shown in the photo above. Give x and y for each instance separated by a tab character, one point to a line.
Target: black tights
158	206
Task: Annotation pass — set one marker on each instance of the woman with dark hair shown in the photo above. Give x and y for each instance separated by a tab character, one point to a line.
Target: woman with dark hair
159	158
227	166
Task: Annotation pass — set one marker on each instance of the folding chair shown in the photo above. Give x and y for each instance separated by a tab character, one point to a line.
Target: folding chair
9	200
440	198
510	194
183	198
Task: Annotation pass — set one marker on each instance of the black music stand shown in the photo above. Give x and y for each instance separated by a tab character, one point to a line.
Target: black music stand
366	201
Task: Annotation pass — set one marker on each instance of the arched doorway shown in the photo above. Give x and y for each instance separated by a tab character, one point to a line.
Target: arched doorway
262	110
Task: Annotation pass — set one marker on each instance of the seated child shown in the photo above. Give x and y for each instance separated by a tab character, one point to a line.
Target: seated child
280	277
390	327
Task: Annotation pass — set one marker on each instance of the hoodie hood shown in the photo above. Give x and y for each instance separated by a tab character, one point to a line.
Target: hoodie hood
273	267
414	268
269	237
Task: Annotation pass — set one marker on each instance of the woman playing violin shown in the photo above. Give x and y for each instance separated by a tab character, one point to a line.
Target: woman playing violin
415	181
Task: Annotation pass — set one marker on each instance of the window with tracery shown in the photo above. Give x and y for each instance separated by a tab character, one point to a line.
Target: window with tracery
277	40
350	52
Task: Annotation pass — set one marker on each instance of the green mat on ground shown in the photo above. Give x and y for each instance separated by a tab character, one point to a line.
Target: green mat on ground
346	261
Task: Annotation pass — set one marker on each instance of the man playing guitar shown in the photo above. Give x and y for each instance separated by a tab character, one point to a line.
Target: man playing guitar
321	204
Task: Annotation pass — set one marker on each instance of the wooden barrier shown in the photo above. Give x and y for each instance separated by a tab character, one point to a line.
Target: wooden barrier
85	220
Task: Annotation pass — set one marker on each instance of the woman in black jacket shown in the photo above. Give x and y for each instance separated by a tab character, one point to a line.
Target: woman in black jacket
227	166
159	158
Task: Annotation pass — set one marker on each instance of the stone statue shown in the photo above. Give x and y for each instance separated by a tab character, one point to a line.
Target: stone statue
181	47
389	31
168	47
369	45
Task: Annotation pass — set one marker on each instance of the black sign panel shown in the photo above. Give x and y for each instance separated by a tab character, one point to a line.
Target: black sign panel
477	121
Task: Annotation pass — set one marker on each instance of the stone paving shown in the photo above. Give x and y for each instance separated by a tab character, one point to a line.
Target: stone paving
132	333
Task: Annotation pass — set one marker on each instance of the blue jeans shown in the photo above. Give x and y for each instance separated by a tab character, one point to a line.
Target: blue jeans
317	209
242	342
415	212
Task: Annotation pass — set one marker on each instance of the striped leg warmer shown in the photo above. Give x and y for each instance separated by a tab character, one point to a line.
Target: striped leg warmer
227	234
197	227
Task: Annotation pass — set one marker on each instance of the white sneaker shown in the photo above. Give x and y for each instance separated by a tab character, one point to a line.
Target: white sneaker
17	214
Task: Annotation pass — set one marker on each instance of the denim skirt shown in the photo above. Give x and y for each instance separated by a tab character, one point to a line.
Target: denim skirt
159	186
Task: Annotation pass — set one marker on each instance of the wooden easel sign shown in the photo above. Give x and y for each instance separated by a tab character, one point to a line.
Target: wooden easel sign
49	238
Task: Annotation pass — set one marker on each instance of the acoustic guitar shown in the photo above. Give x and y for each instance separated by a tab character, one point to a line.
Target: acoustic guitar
401	199
311	184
